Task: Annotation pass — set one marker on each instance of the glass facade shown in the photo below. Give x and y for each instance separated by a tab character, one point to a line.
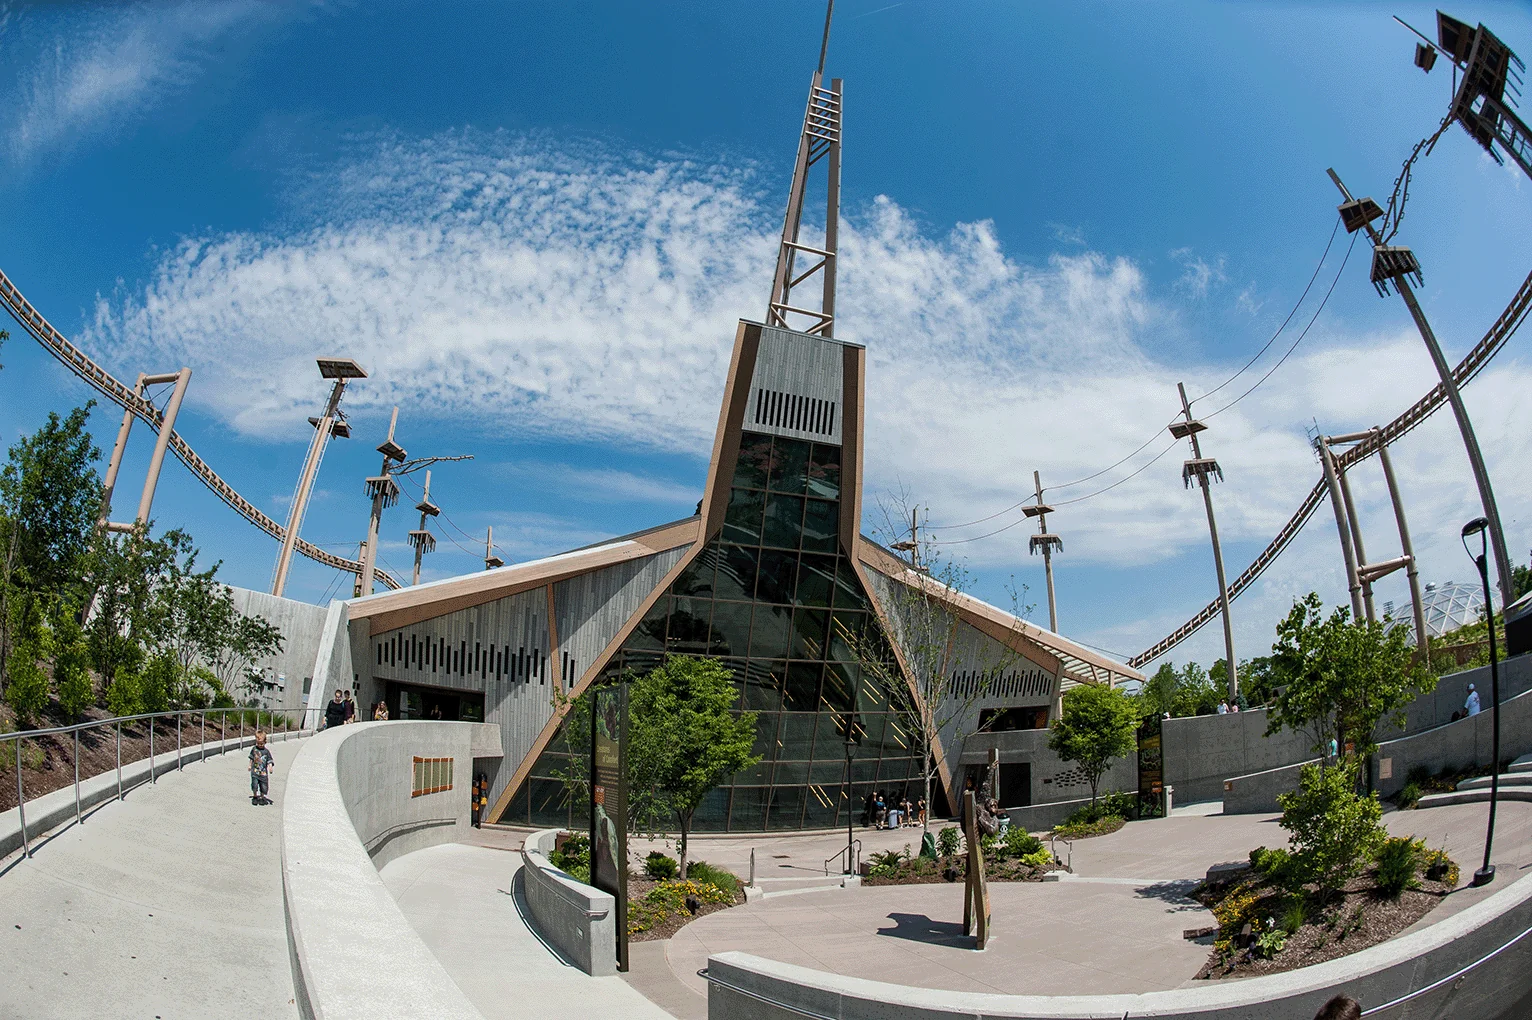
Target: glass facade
775	599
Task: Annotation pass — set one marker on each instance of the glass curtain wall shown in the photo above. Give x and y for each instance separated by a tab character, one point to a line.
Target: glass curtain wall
774	598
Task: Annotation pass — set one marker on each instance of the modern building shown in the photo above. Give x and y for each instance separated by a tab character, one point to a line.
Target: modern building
772	578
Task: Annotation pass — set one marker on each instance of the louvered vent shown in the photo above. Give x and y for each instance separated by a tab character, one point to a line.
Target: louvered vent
790	411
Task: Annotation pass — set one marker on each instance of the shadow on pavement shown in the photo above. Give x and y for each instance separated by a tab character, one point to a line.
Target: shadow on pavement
920	928
1174	893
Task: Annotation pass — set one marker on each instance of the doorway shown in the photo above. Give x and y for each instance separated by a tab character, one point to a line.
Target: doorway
417	701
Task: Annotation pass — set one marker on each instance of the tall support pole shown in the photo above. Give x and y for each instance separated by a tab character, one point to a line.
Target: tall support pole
385	493
491	561
819	139
1412	572
1356	543
109	483
1337	503
323	429
1201	467
420	538
162	443
1047	543
1459	411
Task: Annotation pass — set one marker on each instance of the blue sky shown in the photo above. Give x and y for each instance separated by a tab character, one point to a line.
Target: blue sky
536	225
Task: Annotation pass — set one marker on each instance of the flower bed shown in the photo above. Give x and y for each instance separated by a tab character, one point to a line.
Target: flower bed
1016	857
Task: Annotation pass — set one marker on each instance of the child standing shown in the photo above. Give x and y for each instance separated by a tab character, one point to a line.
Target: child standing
261	766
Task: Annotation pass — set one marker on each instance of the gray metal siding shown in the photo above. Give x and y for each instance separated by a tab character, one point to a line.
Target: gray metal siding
593	607
791	368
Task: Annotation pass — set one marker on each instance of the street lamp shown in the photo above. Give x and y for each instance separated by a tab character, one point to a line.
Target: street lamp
850	750
1478	526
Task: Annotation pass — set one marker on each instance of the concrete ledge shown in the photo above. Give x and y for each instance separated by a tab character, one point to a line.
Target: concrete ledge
354	955
52	810
579	920
1480	796
1473	963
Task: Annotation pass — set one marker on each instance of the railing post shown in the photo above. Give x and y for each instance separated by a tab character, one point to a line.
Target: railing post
119	759
21	803
78	817
204	734
178	741
151	750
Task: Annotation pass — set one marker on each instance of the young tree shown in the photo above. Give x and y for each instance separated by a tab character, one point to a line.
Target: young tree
1099	723
684	737
71	663
1341	677
1333	830
926	688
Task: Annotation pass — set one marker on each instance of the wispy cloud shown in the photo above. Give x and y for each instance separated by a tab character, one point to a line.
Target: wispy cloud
581	294
602	485
93	68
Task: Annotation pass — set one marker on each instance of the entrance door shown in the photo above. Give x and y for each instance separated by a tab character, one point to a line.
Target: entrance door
1015	784
417	701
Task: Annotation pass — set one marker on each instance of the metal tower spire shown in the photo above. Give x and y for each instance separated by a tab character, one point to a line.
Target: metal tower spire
1047	543
1202	467
819	140
420	538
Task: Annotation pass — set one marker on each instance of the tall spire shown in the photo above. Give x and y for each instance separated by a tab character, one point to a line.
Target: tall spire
819	140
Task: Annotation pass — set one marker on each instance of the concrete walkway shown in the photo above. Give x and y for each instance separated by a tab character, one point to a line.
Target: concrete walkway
166	905
461	900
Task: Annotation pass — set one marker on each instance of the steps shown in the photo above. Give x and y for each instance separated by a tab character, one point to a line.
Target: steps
1475	796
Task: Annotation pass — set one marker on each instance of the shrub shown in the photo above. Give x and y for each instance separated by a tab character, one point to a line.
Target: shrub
574	856
1441	868
668	899
124	697
884	863
1270	942
1334	831
1083	830
1409	796
157	683
703	873
71	673
1108	805
27	692
1232	913
660	866
1275	865
1021	843
1039	858
1398	860
949	841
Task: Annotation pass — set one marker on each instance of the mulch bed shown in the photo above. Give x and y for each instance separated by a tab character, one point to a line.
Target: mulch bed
48	762
638	888
924	871
1359	918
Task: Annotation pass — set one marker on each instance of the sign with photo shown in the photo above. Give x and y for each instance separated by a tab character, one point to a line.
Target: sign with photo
608	804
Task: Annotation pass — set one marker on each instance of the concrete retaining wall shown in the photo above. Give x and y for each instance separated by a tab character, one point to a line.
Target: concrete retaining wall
58	808
1465	742
1257	793
580	920
1054	781
347	809
302	625
745	987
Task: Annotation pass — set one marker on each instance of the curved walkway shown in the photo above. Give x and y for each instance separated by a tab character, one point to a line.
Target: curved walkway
166	905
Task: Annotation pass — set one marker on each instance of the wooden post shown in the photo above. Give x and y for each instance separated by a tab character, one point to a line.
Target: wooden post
975	890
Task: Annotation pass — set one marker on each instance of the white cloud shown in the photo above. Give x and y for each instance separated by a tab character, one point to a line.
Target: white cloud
1198	275
98	69
582	295
602	485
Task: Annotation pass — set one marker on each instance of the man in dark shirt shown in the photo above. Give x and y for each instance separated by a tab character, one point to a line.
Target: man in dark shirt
335	711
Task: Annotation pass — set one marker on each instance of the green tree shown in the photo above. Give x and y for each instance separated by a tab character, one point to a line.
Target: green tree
1256	681
1334	831
27	693
125	695
684	737
1340	677
1099	723
71	664
1190	690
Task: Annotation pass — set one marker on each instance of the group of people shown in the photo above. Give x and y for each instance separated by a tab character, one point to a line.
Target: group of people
340	710
884	814
1226	706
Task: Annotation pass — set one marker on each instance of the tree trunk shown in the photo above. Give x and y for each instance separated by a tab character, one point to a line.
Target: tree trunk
684	821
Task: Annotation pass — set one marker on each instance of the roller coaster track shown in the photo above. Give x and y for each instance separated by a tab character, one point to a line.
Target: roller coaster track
77	362
1513	316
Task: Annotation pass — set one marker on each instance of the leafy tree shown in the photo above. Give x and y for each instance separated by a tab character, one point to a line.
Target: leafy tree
71	664
1333	830
158	682
1191	690
125	695
1341	677
1257	683
684	738
27	693
1099	723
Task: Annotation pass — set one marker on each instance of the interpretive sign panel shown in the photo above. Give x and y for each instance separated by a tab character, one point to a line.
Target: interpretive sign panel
1151	770
609	804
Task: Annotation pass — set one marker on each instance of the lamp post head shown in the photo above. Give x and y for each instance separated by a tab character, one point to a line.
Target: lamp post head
1475	526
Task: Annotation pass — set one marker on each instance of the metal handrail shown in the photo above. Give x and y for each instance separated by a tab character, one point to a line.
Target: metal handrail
117	722
857	844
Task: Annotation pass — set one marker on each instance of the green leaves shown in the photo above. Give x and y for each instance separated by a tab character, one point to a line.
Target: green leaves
1099	723
1333	830
1342	677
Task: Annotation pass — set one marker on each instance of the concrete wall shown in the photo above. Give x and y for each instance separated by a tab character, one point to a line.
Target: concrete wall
332	661
1257	793
1465	742
745	987
347	810
1054	781
302	626
580	920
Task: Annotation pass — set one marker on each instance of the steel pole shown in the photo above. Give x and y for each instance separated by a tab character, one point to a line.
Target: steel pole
152	777
370	553
161	444
1460	412
1223	587
1411	572
1348	552
1486	873
119	759
1356	541
78	817
305	485
21	803
115	464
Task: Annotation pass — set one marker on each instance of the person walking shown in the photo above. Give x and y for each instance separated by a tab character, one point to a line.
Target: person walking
335	711
1472	704
350	708
262	764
